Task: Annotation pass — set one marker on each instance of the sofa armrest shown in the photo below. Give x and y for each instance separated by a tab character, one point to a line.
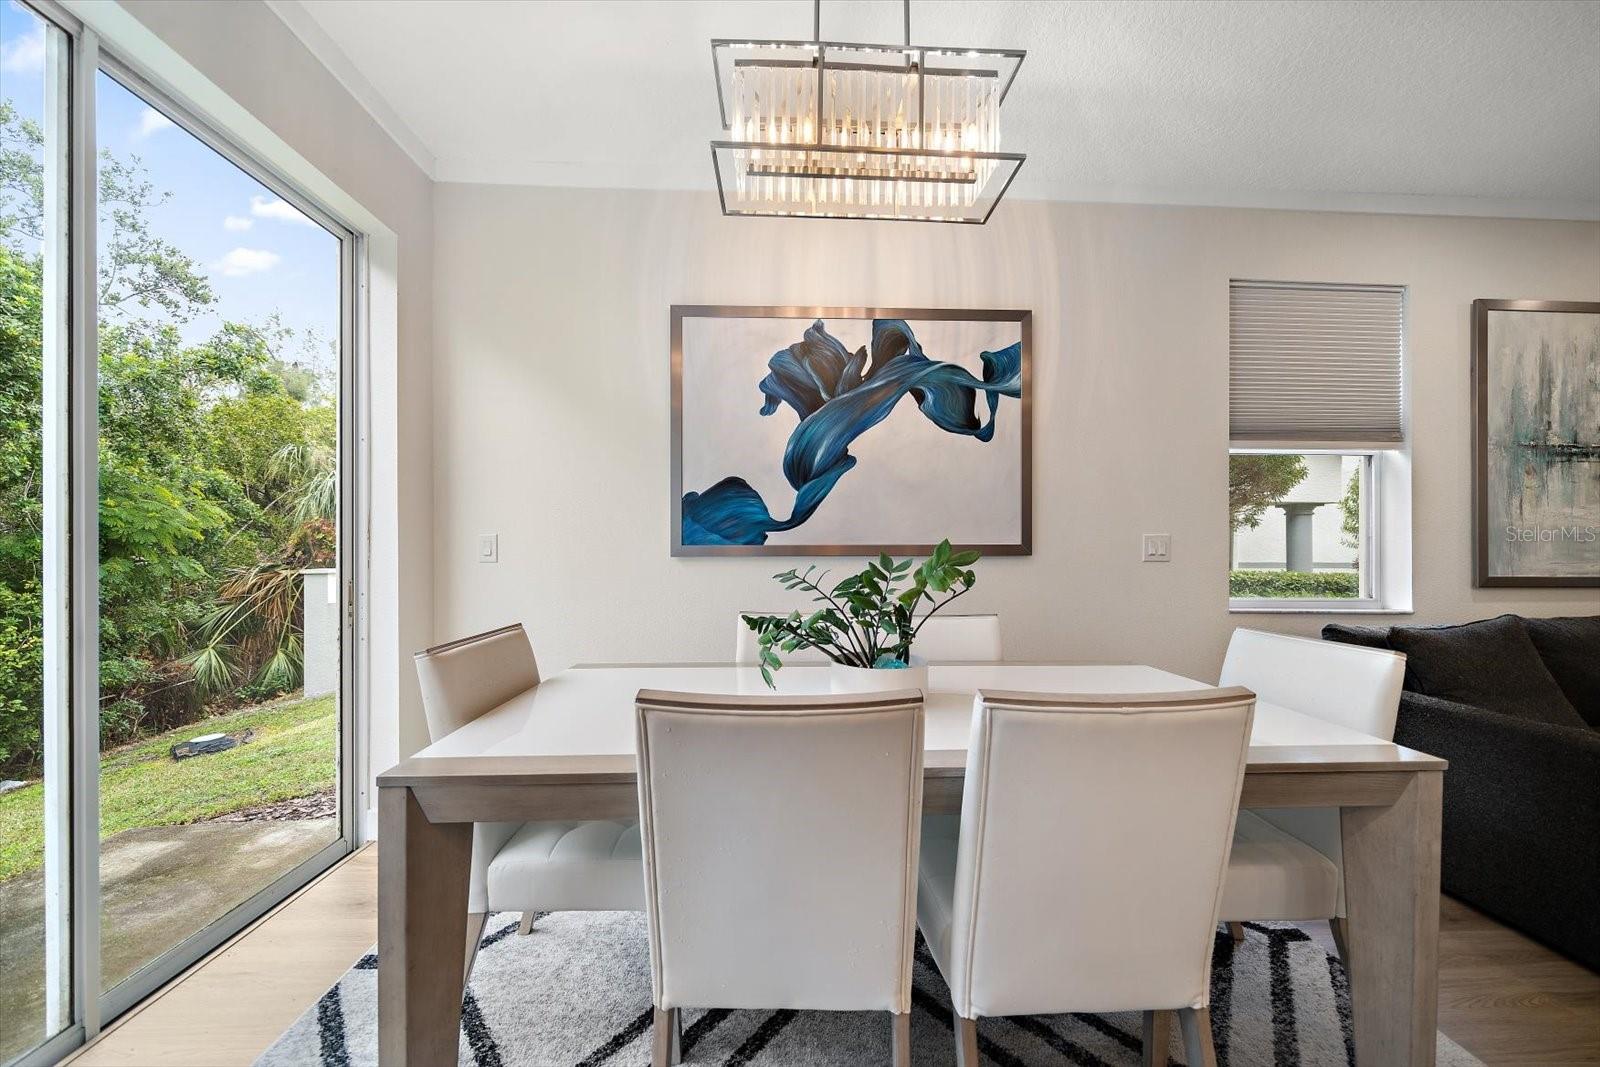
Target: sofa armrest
1521	818
1481	739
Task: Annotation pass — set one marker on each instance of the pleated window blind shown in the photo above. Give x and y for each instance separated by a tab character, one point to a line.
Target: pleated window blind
1315	364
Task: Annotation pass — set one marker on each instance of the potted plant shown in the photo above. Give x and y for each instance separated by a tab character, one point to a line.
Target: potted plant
867	625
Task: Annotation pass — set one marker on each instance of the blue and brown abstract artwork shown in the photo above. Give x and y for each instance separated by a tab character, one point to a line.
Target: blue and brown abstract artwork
848	430
1538	471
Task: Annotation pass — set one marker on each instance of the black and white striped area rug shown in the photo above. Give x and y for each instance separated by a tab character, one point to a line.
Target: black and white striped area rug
577	992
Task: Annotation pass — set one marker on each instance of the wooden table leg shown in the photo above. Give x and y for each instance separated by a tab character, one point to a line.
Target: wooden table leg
422	923
1391	878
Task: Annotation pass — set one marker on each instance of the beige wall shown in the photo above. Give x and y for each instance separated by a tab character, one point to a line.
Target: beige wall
551	403
247	52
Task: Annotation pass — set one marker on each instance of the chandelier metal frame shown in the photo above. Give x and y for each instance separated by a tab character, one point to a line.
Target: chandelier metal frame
803	158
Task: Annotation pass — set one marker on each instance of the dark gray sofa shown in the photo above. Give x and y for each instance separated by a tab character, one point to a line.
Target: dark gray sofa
1514	705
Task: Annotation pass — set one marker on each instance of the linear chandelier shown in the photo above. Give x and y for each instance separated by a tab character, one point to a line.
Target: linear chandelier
827	130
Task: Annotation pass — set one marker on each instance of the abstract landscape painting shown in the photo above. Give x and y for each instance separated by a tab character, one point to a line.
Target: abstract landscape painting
834	431
1536	372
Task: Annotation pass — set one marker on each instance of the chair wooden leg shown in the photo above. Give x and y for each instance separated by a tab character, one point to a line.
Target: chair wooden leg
1157	1037
666	1039
475	924
525	927
1197	1047
1341	937
900	1039
966	1042
1237	930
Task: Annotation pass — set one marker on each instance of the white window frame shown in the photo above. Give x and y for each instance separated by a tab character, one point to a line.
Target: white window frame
178	957
1370	559
380	677
1386	507
105	37
1385	559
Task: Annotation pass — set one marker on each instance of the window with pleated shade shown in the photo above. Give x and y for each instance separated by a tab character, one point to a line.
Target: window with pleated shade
1316	364
1316	422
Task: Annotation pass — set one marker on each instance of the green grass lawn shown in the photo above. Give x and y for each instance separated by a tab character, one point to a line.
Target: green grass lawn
294	754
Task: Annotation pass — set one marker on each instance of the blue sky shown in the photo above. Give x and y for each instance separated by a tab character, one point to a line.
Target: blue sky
260	254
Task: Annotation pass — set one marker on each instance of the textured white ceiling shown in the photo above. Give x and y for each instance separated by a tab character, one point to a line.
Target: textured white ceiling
1440	107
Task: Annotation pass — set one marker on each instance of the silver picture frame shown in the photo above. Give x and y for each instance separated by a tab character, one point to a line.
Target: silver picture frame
805	313
1484	573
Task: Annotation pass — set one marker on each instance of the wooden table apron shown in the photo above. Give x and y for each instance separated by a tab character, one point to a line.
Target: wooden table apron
1390	815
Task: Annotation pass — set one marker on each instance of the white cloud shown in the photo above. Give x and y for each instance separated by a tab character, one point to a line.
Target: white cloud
242	261
25	54
262	208
237	222
151	120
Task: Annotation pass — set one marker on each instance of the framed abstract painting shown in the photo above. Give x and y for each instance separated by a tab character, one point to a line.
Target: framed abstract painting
1536	442
827	431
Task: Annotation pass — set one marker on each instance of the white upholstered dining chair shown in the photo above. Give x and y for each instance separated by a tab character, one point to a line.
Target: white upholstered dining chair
780	854
1090	825
1288	862
550	866
942	639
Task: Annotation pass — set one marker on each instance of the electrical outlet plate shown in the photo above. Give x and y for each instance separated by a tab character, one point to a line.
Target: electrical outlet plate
1157	548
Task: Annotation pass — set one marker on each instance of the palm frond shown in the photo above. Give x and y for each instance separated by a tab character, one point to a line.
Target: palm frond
254	620
281	669
212	669
313	470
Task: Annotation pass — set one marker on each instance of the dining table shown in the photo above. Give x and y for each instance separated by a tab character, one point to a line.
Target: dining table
564	749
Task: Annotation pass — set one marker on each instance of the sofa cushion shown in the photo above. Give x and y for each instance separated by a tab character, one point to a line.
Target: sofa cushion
1491	664
1370	636
1570	648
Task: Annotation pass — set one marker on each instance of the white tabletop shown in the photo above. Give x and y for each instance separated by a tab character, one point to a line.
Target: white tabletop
589	711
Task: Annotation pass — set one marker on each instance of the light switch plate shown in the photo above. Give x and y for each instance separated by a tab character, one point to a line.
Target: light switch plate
1157	548
489	548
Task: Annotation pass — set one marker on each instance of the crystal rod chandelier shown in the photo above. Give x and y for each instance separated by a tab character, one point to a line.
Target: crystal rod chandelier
827	130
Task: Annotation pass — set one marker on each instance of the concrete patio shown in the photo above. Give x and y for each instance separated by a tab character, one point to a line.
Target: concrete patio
159	884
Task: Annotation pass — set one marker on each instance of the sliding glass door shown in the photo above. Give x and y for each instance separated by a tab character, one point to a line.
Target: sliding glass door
219	305
175	623
35	779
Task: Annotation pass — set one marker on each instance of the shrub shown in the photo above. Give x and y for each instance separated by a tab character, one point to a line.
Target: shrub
21	675
120	720
216	471
1314	584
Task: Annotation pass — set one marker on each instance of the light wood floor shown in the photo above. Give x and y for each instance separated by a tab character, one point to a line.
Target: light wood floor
1504	998
1509	1000
230	1007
